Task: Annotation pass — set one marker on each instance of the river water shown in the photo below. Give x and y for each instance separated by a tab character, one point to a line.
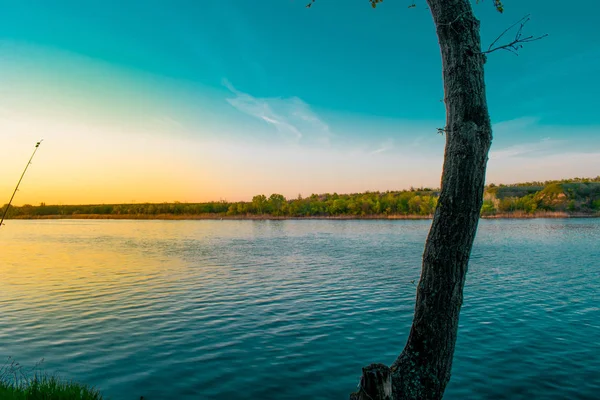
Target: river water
293	309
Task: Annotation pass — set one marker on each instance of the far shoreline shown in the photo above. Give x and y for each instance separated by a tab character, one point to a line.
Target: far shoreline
182	217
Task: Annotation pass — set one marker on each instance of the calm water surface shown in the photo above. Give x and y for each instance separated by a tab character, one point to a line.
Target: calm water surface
293	309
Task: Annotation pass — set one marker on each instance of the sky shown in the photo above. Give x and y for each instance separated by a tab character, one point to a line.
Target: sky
161	101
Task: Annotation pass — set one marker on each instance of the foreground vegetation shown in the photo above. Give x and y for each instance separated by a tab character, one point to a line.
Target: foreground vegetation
18	384
572	197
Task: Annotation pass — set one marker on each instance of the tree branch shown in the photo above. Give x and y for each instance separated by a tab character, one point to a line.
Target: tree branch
517	42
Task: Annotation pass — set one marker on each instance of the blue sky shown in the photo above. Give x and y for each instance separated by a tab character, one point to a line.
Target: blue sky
268	96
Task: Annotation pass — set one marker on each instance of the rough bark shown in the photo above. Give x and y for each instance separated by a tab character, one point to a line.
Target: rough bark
423	369
375	383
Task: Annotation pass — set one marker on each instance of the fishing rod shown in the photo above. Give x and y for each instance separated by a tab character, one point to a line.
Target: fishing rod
20	179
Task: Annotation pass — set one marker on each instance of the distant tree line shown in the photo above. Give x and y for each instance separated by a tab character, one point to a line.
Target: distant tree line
417	202
574	195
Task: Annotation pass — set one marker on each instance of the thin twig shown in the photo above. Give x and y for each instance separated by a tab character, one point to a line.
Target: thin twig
516	44
525	18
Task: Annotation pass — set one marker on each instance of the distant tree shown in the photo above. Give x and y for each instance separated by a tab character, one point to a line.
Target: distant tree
423	369
488	208
338	206
353	207
276	203
414	205
259	202
403	202
232	210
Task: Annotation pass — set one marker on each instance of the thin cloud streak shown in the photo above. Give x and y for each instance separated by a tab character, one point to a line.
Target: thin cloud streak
385	146
517	124
291	117
534	148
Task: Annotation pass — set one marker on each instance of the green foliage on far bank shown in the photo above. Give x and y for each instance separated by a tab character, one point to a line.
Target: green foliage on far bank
571	196
577	195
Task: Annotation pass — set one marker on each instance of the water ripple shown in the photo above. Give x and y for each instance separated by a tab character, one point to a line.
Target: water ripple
293	309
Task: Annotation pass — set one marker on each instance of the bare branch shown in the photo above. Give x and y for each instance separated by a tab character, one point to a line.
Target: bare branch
522	21
517	42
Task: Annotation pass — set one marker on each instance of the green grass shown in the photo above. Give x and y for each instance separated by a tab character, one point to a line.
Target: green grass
18	384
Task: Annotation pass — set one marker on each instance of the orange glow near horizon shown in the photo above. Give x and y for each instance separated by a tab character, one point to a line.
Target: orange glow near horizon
117	136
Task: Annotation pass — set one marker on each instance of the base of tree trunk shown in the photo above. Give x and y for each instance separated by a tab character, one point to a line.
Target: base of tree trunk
375	383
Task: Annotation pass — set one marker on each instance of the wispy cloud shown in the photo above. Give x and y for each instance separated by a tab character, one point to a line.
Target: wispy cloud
291	117
383	147
517	124
528	138
538	148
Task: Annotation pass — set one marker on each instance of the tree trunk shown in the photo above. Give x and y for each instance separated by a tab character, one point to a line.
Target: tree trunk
423	369
375	383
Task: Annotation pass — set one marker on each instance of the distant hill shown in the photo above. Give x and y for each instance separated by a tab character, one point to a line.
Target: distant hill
571	197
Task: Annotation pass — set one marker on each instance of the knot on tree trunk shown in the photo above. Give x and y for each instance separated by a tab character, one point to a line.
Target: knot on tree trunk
375	383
